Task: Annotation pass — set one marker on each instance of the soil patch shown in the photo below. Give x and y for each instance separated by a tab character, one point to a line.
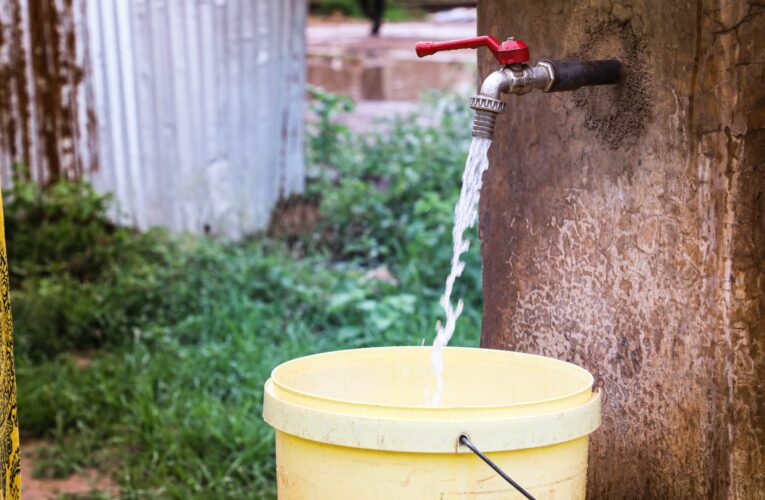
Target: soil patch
86	483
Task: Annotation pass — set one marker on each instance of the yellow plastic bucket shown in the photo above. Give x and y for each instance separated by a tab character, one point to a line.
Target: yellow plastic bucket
355	425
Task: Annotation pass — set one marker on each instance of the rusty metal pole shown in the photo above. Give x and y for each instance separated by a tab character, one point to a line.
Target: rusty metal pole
623	229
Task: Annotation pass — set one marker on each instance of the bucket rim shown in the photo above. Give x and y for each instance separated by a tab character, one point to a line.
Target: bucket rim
384	433
590	380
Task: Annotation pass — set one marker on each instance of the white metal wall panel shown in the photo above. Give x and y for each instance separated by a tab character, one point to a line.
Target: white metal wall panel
189	111
199	105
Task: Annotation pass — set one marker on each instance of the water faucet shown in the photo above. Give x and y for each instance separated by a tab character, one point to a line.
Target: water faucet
517	77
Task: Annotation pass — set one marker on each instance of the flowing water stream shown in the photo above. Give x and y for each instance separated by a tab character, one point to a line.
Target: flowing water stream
465	216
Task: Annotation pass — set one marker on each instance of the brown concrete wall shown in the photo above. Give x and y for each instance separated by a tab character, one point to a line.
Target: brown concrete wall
623	229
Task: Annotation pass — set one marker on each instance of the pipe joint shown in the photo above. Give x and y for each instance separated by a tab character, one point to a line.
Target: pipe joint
547	76
496	84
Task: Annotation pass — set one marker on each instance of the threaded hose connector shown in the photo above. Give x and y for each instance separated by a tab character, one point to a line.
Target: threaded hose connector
486	111
483	125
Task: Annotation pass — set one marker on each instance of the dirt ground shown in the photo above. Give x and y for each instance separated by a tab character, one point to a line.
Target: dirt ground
383	74
86	483
342	34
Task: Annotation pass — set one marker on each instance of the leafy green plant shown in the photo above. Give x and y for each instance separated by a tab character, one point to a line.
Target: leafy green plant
149	363
392	196
395	11
61	228
327	138
345	7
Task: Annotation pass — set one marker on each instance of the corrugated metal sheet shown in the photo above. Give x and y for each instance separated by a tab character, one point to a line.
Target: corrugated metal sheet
41	74
190	112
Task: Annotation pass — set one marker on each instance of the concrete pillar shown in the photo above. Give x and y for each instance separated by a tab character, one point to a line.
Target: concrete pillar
623	229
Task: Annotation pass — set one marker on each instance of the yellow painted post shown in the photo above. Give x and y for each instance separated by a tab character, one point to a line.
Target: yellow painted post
10	457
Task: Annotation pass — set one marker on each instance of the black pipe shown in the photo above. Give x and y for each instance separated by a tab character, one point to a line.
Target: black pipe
570	74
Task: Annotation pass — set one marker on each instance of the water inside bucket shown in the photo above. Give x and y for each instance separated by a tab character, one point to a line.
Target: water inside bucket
394	377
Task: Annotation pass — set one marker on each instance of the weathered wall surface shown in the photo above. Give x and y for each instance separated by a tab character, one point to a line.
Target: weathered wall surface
191	113
623	229
200	109
42	68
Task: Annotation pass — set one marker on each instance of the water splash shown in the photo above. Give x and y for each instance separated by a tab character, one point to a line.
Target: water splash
465	216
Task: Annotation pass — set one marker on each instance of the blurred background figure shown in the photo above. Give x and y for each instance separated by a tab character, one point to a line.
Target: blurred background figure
374	10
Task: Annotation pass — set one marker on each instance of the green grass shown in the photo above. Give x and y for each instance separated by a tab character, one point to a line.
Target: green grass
145	354
394	11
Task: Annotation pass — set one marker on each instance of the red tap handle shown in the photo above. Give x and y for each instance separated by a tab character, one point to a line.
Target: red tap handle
511	51
429	48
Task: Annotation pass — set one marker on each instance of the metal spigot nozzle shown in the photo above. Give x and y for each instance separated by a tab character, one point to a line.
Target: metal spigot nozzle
486	111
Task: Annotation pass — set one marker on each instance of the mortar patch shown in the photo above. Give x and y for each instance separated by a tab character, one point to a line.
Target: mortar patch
617	114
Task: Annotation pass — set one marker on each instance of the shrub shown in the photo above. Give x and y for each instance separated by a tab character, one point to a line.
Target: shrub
145	353
61	228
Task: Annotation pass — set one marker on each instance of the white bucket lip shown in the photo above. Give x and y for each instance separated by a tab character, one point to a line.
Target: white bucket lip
425	408
371	432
